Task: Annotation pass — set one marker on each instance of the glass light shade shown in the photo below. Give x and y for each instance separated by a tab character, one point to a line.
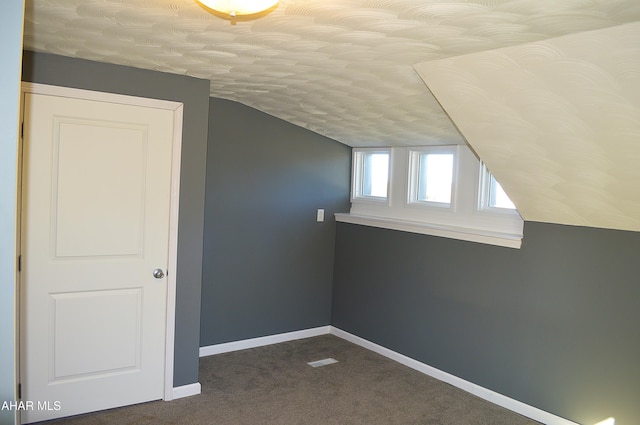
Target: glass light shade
239	7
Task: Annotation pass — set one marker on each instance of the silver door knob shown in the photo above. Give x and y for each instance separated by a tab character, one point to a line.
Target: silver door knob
158	273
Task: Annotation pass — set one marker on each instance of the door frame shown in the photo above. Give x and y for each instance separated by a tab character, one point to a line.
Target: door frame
177	108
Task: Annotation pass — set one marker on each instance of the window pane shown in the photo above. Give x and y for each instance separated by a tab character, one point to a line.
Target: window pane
498	197
375	174
435	177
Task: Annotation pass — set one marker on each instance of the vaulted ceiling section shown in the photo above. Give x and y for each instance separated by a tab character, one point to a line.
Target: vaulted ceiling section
545	91
556	121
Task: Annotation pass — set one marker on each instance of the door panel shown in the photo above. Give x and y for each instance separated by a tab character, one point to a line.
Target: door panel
79	339
95	224
86	152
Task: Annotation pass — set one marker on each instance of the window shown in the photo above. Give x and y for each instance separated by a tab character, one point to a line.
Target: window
491	193
370	174
442	191
431	176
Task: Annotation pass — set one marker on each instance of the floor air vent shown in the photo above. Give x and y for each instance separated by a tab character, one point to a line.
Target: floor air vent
322	362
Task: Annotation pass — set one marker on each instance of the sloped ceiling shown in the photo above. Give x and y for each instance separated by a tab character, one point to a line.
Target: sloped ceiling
342	68
556	121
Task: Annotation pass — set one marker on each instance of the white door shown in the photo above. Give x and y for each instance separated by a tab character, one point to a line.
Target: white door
95	226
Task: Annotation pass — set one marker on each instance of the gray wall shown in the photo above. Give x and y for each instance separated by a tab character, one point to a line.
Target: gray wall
11	20
194	94
554	324
268	265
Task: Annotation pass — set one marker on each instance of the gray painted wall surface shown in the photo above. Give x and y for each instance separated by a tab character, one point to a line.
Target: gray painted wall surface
11	20
194	94
554	324
268	265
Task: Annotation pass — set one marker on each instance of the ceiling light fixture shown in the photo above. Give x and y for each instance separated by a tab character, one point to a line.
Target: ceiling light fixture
239	9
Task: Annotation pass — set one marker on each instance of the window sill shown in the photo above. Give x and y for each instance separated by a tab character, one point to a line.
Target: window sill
462	233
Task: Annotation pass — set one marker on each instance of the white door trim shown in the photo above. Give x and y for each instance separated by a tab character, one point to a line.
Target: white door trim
177	108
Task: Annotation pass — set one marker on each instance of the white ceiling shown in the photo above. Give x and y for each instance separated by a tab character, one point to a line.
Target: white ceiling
342	68
556	121
547	92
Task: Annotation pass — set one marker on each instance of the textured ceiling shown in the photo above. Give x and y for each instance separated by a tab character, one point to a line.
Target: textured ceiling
556	121
342	68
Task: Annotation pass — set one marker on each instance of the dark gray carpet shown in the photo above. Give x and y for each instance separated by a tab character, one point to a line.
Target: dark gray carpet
274	385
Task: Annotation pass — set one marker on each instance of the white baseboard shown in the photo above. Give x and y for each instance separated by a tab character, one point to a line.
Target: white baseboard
187	390
484	393
261	341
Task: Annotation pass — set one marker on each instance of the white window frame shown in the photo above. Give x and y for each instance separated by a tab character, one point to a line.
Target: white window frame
484	193
466	221
414	176
357	176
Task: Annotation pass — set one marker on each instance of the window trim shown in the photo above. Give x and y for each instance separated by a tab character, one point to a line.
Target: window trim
504	239
357	175
484	193
413	176
467	222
